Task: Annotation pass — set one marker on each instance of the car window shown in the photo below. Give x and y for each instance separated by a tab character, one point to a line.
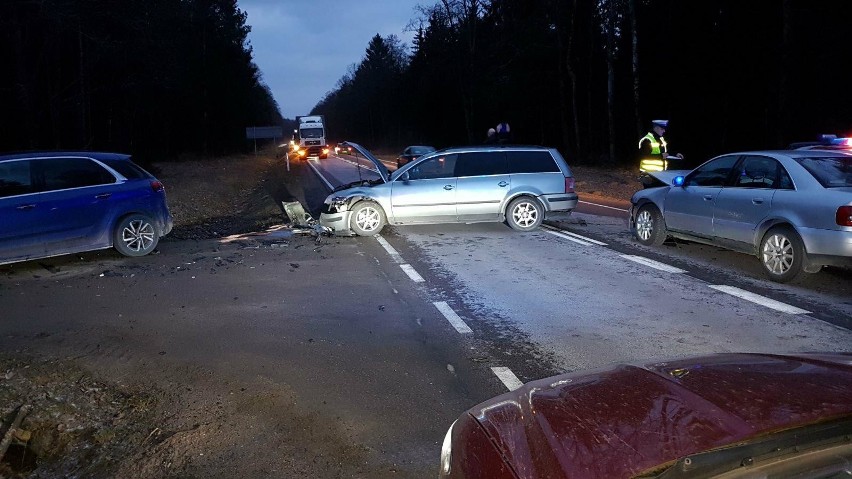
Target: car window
831	172
15	178
127	169
64	173
713	173
481	163
421	150
757	172
437	167
531	162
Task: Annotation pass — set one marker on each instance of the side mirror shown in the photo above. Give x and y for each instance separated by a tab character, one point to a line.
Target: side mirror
404	176
678	181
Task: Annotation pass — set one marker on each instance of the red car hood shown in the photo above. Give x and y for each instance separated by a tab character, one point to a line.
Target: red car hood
626	420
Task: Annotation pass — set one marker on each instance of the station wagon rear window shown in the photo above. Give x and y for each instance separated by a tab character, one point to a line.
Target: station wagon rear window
531	162
831	172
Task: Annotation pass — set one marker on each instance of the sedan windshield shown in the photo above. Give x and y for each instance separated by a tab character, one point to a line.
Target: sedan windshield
831	172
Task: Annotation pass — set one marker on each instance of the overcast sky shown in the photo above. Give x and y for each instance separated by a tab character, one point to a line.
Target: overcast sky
303	47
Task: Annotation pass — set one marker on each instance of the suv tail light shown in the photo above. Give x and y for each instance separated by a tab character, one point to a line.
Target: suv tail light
157	186
569	184
844	216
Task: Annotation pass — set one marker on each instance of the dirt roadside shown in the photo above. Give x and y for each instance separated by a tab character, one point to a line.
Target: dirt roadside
85	424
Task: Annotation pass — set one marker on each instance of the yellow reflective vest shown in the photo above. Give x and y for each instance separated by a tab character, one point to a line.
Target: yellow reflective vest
655	162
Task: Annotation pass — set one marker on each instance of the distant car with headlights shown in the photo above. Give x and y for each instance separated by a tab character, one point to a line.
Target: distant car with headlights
792	209
719	416
520	185
411	153
343	149
55	203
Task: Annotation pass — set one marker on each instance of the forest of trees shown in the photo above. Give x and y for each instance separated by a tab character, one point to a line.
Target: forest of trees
589	76
166	77
149	77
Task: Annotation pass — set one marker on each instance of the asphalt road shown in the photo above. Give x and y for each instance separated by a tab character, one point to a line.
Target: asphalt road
350	357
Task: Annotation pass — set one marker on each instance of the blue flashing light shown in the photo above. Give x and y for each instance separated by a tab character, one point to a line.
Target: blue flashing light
678	181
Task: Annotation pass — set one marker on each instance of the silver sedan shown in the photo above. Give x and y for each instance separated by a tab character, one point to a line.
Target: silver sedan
791	209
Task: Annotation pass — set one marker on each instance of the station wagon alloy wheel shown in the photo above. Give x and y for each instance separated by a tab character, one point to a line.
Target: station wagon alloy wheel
525	214
367	218
781	253
136	236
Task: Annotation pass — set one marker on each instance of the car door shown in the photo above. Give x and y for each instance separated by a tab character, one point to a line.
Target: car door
76	203
483	181
744	204
689	208
426	193
19	211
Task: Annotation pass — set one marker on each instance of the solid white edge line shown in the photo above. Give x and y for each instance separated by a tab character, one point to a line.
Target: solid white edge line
412	273
575	235
653	264
564	236
327	183
508	378
604	206
452	317
758	299
390	249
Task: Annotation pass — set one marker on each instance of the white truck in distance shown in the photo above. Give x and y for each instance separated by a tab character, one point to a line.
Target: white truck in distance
312	141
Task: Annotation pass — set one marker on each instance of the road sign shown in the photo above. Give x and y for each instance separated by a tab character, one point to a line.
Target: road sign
264	132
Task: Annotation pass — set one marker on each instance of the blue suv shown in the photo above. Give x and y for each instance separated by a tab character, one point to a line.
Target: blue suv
55	203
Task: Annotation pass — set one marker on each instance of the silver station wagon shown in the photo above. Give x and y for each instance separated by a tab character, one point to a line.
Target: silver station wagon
791	209
521	185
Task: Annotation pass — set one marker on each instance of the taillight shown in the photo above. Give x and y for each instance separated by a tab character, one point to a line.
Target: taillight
569	184
157	186
844	216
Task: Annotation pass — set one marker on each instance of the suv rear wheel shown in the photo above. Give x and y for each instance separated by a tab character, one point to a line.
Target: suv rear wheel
135	235
524	214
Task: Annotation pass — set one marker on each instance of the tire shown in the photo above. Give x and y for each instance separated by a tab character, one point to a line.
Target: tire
135	235
367	219
649	227
524	214
781	253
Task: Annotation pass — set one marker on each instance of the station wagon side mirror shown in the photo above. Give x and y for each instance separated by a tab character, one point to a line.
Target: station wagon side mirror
404	177
678	181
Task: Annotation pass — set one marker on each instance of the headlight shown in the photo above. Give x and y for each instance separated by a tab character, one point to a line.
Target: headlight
447	451
337	204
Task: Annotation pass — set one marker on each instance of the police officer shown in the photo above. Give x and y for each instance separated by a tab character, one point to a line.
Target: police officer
653	149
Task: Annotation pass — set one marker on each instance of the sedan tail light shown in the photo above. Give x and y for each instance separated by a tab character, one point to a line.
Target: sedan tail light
157	186
569	184
844	216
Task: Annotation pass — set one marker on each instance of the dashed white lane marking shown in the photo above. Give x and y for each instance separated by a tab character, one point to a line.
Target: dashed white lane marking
508	377
390	249
653	264
604	206
572	236
761	300
409	270
452	317
412	273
